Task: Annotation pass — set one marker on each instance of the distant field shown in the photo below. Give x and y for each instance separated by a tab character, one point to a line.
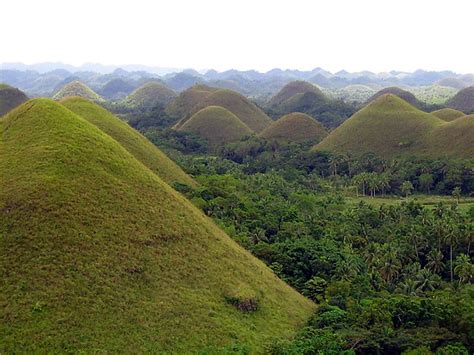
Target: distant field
426	200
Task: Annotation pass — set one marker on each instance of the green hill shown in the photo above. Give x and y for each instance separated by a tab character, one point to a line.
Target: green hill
216	124
295	127
355	93
98	254
150	95
388	126
448	114
236	103
136	144
10	98
452	139
291	89
403	94
116	89
76	88
463	100
300	96
433	94
183	105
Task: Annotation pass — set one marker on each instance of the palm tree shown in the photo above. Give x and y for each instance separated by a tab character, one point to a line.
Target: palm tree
427	280
464	269
435	261
409	287
391	266
451	238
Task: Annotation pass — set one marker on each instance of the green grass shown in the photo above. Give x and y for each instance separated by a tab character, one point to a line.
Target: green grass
429	201
183	105
463	100
448	114
76	88
10	98
389	127
98	254
150	95
142	149
295	127
236	103
217	125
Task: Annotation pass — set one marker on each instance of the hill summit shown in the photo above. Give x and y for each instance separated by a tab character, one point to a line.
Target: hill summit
77	88
403	94
463	100
448	114
295	127
150	95
216	124
98	254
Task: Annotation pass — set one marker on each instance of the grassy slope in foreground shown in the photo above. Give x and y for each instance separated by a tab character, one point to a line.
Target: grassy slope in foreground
76	88
388	126
448	114
140	147
217	125
98	254
295	127
236	103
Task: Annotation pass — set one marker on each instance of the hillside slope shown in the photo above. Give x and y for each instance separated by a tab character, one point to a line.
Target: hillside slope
291	89
217	125
295	127
463	100
140	147
98	254
403	94
183	105
236	103
10	98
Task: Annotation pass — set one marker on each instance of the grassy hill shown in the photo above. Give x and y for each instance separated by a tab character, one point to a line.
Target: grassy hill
403	94
295	127
299	96
98	254
77	88
183	105
116	89
433	94
388	126
463	100
150	95
236	103
136	144
10	98
448	114
216	124
291	89
452	139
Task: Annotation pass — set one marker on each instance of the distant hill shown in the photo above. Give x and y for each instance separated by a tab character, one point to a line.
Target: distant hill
183	105
77	88
236	103
291	89
433	94
150	95
463	100
448	114
390	126
136	144
295	127
116	89
403	94
304	97
10	98
216	124
99	254
182	81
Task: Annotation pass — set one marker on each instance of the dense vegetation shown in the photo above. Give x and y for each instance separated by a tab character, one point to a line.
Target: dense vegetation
389	275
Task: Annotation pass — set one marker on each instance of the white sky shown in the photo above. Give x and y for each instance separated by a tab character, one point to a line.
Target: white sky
355	35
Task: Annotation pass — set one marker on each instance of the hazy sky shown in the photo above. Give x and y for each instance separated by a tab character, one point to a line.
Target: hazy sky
355	35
